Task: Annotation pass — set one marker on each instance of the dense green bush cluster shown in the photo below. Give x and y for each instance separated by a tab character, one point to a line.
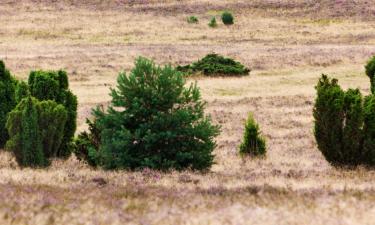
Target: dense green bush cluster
36	129
344	124
215	65
7	100
154	121
227	18
253	143
52	85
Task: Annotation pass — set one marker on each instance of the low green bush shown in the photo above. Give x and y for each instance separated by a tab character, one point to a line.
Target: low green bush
154	121
212	22
215	65
192	19
253	143
227	18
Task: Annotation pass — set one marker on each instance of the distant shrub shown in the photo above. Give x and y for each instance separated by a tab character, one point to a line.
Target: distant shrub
253	143
227	18
154	121
215	65
370	72
87	144
344	127
52	85
192	19
212	22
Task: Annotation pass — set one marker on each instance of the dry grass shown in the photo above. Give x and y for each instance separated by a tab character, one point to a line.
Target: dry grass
288	44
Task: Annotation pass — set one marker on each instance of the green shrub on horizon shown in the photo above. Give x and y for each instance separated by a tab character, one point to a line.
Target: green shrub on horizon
227	18
253	143
212	22
155	122
370	72
215	65
192	19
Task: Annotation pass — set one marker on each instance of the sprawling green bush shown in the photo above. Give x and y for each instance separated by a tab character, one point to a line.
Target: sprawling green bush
192	19
212	22
52	85
344	126
370	71
215	65
87	144
36	130
227	18
154	121
253	143
7	100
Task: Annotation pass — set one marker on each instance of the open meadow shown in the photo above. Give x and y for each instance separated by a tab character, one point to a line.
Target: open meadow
287	45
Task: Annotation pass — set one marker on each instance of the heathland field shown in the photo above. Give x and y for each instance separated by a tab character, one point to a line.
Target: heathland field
287	45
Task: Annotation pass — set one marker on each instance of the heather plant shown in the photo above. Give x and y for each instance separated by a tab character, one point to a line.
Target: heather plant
227	18
7	100
36	130
253	143
212	22
52	85
192	19
155	121
215	65
344	127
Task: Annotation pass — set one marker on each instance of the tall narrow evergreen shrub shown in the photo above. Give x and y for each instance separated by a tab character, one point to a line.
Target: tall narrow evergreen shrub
7	100
36	130
52	85
370	72
253	143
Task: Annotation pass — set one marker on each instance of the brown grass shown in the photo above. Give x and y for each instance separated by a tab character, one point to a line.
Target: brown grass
288	44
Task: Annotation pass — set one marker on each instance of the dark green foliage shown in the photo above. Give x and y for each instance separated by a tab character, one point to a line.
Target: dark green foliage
215	65
52	85
87	144
344	126
212	22
370	72
227	18
7	100
36	130
25	140
253	143
192	19
154	121
22	91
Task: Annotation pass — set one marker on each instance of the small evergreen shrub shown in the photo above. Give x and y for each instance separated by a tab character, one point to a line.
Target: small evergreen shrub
343	124
52	85
7	100
87	144
253	143
370	72
215	65
155	122
192	19
36	130
212	22
227	18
